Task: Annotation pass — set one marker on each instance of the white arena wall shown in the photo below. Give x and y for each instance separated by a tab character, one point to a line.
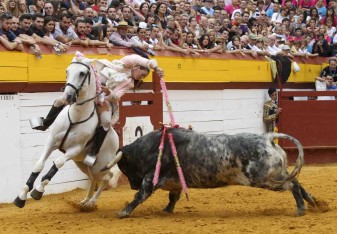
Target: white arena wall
220	111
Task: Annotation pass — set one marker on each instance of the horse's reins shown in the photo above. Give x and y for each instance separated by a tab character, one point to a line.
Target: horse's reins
77	90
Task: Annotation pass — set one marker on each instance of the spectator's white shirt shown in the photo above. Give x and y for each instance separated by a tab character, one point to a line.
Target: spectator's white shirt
331	31
229	45
271	50
277	18
154	41
70	32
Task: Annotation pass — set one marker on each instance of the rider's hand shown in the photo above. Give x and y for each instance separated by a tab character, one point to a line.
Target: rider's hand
160	72
106	90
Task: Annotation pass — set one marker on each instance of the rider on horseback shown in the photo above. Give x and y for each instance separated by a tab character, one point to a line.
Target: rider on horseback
117	77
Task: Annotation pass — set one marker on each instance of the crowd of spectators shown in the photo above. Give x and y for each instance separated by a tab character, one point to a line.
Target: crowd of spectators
191	27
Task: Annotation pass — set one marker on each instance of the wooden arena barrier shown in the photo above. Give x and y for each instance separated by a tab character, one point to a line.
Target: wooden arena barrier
141	104
312	122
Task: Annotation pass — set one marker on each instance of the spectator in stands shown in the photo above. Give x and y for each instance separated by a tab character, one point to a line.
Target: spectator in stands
112	16
166	43
2	8
63	32
320	8
107	31
48	9
330	70
12	7
76	7
155	37
49	29
271	111
119	38
160	15
233	6
274	9
330	14
243	6
207	9
127	15
144	9
7	37
153	7
25	39
39	4
23	9
278	17
321	46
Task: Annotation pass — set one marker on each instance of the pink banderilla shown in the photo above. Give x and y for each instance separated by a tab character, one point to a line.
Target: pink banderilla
179	170
165	93
158	165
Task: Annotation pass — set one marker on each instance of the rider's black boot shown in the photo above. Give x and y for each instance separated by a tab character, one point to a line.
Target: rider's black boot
99	137
50	118
98	141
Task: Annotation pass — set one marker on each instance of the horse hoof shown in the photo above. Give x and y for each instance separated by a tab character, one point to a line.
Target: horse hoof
36	194
19	202
122	214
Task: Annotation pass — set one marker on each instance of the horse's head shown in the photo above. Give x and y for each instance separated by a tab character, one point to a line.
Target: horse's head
79	78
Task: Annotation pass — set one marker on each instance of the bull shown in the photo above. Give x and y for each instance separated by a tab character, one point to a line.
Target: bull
211	161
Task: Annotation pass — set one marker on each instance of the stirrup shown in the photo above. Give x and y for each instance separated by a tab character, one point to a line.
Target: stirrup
37	123
90	160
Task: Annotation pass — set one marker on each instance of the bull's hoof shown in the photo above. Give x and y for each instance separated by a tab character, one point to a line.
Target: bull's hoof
168	210
36	194
300	213
19	202
122	214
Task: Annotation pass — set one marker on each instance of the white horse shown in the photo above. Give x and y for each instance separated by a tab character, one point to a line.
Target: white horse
73	130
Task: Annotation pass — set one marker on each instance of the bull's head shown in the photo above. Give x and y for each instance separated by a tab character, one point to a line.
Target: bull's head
131	169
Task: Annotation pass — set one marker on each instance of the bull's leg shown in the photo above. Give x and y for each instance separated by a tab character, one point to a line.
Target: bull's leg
20	200
296	190
308	197
174	197
143	193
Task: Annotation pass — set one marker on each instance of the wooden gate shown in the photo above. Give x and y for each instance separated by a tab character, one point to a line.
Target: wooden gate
312	122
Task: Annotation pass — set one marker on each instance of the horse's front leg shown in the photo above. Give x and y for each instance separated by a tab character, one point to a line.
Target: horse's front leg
58	163
20	200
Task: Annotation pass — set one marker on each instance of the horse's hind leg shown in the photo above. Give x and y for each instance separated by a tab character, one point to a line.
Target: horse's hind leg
20	200
90	192
296	190
104	182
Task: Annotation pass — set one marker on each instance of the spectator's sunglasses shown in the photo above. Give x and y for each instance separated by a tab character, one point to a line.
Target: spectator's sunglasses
155	26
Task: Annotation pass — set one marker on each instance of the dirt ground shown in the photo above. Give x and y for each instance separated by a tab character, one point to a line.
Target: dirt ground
232	209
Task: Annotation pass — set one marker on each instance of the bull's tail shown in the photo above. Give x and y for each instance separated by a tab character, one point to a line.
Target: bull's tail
114	161
300	159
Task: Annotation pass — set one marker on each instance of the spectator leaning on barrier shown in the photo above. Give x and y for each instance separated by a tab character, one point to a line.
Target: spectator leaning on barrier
7	37
63	32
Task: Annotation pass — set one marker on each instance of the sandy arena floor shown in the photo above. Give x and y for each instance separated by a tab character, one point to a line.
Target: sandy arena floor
232	210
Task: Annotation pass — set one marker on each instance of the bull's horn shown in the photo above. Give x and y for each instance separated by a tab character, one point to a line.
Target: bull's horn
114	161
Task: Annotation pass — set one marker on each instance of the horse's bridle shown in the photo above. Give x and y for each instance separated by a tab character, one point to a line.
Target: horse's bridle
78	89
